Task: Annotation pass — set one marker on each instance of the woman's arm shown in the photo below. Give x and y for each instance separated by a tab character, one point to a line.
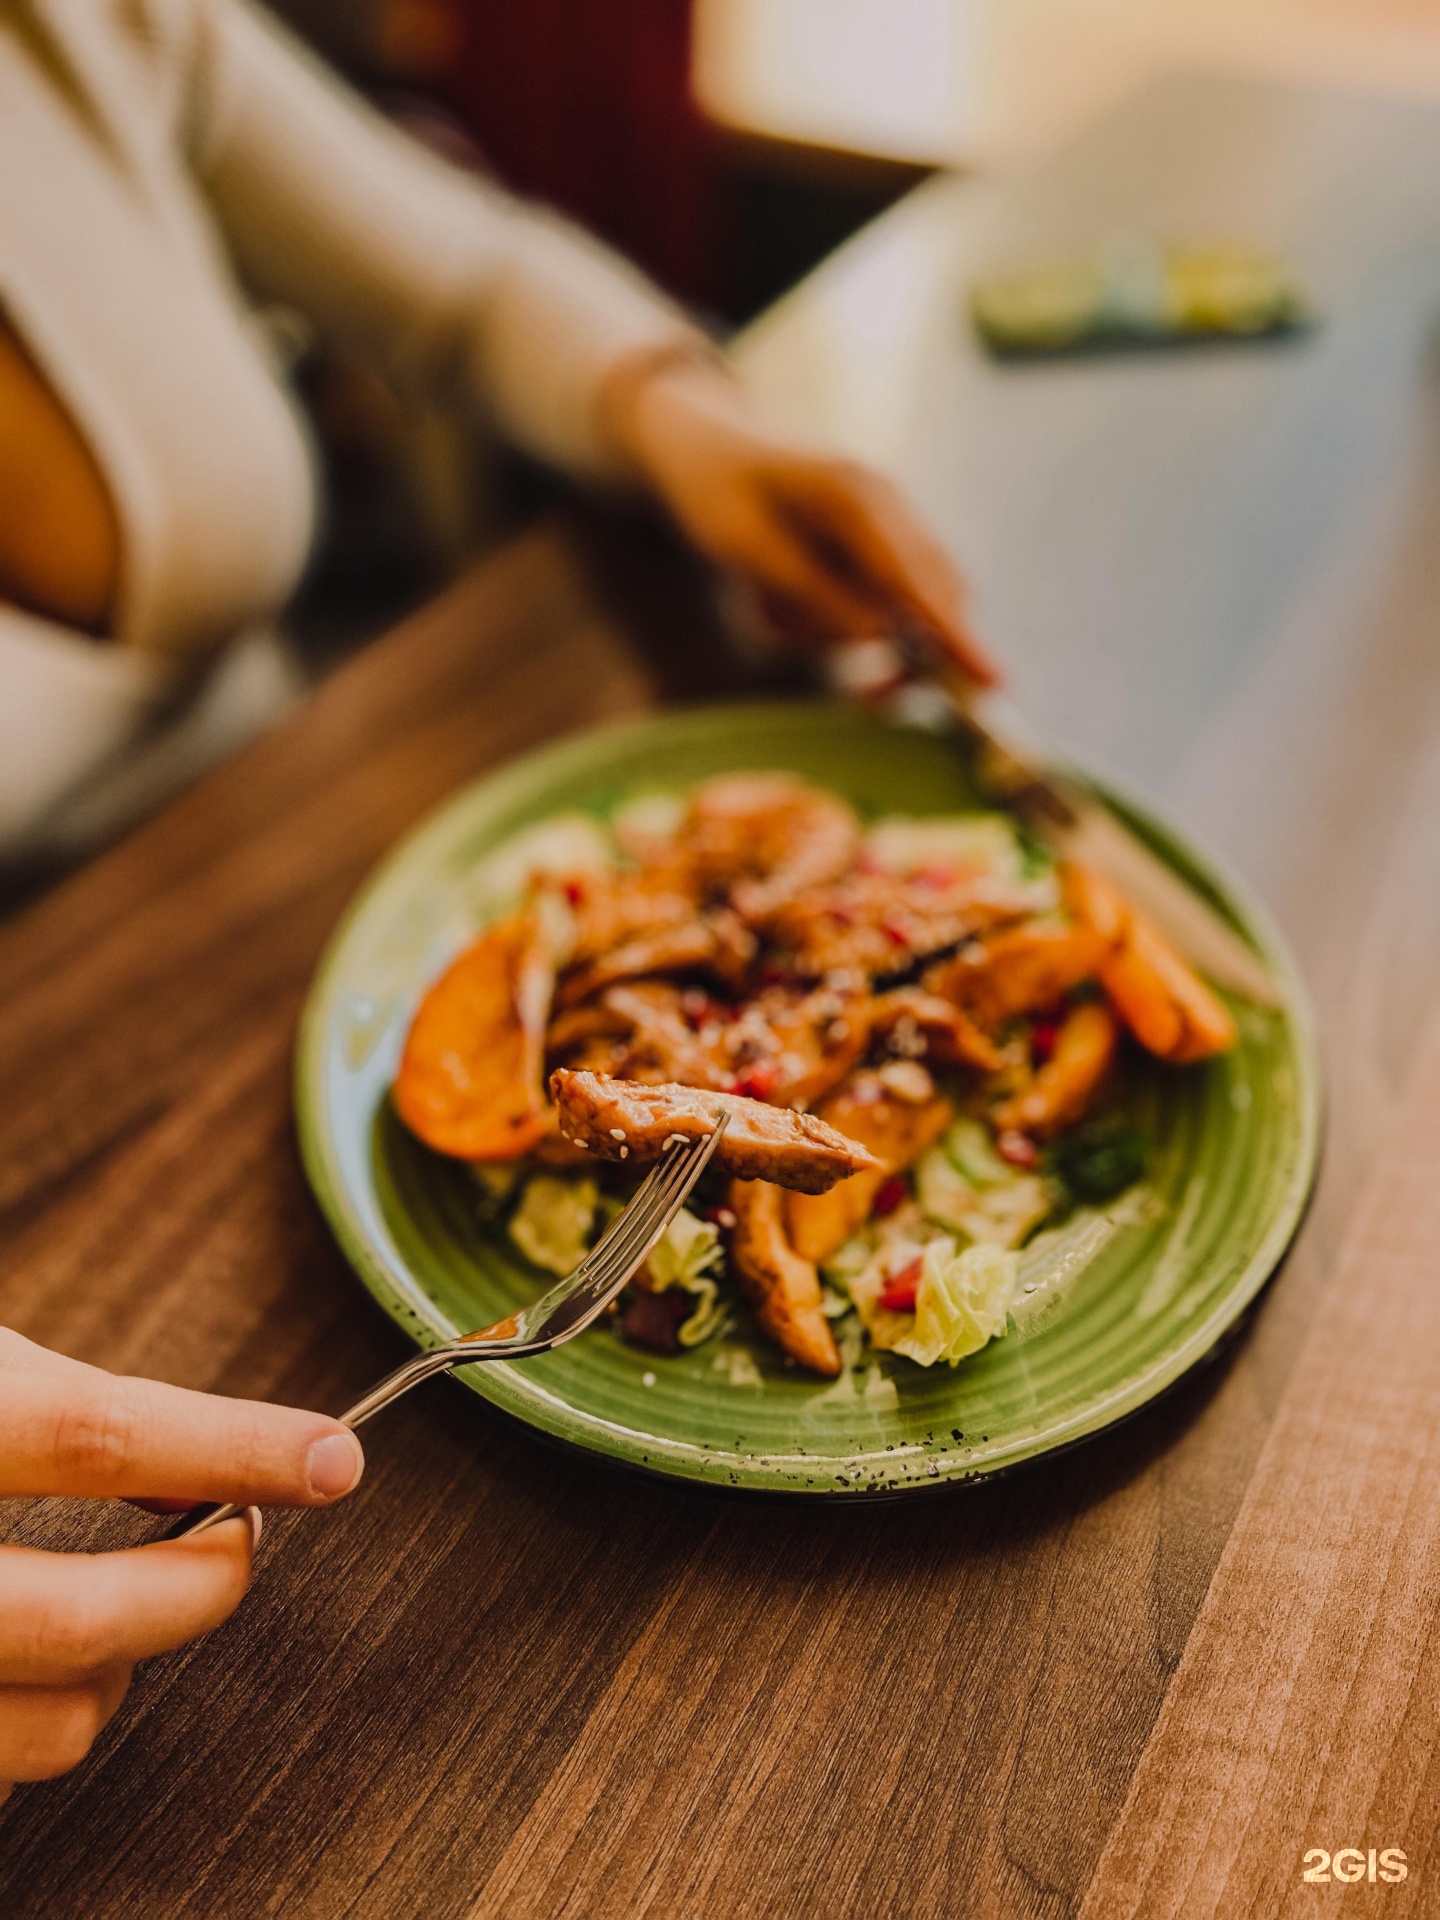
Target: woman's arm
452	282
577	357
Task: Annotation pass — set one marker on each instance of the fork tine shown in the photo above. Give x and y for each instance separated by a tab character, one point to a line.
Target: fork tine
654	1196
571	1305
646	1217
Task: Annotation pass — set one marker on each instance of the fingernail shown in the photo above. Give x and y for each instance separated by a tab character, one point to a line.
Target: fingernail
335	1465
257	1526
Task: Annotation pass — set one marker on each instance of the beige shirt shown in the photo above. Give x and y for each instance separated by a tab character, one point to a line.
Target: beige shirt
162	164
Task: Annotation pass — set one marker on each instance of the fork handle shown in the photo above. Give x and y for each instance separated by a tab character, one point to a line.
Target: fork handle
423	1367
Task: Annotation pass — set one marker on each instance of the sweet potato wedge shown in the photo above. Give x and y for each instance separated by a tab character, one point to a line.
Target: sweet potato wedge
470	1081
1064	1087
1154	989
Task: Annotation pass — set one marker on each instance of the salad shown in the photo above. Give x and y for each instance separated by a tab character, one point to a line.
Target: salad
916	1026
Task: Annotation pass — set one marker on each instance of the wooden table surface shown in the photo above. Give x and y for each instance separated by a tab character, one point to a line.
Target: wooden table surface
502	1680
1140	1679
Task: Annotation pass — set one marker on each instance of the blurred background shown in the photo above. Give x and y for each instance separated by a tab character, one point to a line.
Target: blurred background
729	146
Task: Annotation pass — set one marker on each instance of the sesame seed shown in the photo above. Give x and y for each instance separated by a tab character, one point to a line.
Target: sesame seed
624	1153
617	1133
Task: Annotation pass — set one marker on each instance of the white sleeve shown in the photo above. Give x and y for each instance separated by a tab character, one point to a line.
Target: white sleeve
71	704
327	206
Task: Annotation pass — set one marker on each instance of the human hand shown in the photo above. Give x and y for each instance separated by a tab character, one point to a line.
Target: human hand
834	549
72	1626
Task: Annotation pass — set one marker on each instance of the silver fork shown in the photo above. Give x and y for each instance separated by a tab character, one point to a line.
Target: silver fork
557	1316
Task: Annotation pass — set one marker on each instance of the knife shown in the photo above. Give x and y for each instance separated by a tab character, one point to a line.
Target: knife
1078	826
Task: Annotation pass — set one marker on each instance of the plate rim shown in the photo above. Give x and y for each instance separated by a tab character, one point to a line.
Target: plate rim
713	1467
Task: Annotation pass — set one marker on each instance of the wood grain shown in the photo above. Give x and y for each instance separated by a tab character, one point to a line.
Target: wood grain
501	1680
1304	1712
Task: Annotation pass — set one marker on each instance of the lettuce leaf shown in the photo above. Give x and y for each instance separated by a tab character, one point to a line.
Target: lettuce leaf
961	1302
555	1220
687	1257
1003	1213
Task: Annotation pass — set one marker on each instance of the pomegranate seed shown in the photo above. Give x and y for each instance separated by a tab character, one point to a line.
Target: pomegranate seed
574	891
694	1006
1018	1148
758	1084
890	1196
1042	1040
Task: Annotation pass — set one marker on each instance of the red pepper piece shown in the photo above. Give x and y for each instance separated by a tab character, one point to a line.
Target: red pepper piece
759	1082
898	1293
891	1195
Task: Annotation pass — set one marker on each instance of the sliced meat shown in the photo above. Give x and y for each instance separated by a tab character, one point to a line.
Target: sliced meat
622	1120
609	909
470	1076
647	1030
761	837
791	1046
895	1129
1019	969
783	1287
879	925
928	1027
717	943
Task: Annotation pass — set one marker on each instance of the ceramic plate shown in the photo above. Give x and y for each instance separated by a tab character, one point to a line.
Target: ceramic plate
1234	1151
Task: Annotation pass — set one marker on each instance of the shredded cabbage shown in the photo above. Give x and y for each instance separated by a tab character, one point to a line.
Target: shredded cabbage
1002	1215
686	1257
647	820
972	1152
568	844
553	1224
737	1365
987	843
961	1302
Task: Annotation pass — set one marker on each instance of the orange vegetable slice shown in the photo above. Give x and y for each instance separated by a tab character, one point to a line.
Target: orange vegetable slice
471	1080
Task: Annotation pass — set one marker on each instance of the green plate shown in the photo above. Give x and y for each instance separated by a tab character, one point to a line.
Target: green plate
1236	1144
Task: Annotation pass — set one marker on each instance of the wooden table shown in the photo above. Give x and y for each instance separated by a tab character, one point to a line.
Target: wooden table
503	1681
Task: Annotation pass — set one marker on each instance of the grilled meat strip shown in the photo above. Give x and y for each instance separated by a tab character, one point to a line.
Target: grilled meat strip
622	1120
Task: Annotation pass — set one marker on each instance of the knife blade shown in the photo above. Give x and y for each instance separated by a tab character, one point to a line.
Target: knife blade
1077	825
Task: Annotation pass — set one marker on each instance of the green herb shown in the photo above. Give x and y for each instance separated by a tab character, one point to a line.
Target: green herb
1102	1158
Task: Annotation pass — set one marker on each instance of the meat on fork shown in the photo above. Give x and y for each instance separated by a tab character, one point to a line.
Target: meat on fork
622	1120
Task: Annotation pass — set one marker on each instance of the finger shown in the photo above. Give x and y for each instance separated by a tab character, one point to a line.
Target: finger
788	561
17	1355
895	556
65	1617
74	1429
45	1731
